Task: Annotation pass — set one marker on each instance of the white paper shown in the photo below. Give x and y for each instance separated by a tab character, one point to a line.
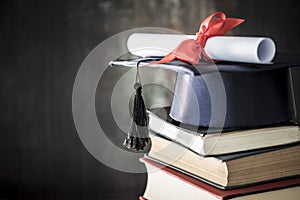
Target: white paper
224	48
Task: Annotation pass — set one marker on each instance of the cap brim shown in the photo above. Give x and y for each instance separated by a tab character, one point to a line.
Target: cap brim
281	61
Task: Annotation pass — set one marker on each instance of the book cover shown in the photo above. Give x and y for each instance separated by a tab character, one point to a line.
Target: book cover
181	184
231	170
206	141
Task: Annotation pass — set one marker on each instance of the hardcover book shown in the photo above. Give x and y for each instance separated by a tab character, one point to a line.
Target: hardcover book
206	142
166	183
231	170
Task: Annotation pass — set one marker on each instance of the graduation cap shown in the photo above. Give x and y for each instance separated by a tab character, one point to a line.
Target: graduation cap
220	95
223	95
256	95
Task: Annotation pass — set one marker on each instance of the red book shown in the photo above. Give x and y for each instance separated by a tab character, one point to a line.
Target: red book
167	183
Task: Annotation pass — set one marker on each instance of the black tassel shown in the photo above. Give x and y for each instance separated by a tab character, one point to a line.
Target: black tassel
138	135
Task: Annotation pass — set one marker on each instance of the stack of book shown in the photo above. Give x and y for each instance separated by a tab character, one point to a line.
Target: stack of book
256	155
262	163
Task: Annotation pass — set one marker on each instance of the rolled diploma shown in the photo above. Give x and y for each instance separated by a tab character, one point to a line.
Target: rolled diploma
225	48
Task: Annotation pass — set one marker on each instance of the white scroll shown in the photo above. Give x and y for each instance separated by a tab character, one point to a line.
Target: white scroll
225	48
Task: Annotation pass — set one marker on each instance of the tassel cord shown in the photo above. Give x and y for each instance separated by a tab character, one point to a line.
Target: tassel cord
138	135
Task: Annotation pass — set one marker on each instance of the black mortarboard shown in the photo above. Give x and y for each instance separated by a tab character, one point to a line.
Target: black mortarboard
230	94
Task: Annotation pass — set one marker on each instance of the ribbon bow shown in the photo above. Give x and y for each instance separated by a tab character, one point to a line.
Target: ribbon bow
191	50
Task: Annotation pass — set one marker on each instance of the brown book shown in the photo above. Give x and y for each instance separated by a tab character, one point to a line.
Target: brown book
167	183
232	170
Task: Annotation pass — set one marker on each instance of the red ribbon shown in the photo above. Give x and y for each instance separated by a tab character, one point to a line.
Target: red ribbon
191	50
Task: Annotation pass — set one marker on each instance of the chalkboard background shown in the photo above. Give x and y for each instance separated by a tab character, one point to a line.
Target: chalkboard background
43	44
